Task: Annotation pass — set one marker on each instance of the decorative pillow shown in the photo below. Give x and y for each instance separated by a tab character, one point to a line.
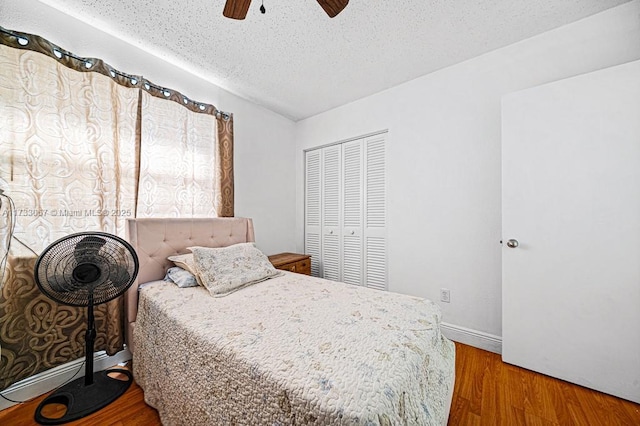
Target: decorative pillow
180	277
186	262
227	269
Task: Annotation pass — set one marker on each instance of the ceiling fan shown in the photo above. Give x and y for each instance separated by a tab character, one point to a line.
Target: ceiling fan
237	9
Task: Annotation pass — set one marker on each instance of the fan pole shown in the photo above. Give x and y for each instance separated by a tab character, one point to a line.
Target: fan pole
89	339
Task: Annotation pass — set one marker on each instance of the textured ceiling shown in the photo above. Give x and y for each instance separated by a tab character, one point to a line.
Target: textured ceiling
298	62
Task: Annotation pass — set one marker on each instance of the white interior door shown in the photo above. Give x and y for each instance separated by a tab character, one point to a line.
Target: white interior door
571	198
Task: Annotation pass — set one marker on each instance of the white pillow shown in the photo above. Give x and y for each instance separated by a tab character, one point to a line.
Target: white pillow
181	277
186	262
227	269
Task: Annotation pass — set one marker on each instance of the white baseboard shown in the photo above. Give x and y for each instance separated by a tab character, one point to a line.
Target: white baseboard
46	381
475	338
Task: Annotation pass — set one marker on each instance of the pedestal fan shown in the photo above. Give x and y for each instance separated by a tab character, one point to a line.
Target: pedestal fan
86	269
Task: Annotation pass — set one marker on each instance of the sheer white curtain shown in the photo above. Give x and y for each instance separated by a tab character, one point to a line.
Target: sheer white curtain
178	175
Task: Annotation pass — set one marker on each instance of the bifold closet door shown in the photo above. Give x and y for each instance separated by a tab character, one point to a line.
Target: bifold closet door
331	206
313	210
345	211
352	216
375	212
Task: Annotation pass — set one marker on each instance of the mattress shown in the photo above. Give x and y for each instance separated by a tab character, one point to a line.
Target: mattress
292	350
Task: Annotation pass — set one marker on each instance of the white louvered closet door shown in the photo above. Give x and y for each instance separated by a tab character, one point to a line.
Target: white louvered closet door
352	167
375	208
331	207
345	211
313	209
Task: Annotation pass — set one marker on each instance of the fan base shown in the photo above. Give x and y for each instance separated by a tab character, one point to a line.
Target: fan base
82	400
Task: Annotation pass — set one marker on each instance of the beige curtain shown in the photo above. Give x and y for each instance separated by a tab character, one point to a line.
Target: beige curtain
68	159
84	147
224	165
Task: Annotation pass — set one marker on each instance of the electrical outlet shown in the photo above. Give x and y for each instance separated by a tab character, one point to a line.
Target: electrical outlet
445	295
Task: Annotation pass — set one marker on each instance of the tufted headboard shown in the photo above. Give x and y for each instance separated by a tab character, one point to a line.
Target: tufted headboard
155	239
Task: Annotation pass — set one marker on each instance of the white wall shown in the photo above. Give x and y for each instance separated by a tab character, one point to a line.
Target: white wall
444	161
264	141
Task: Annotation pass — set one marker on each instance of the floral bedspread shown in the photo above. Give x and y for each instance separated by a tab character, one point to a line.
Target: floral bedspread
292	350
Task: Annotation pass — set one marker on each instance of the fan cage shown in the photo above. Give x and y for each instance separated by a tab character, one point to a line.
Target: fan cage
65	270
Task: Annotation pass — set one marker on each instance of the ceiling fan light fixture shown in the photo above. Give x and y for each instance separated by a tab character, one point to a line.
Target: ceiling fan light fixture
236	9
333	7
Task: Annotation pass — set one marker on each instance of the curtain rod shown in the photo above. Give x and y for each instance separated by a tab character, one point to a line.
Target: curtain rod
59	53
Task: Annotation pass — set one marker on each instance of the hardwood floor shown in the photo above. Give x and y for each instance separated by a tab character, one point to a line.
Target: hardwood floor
487	392
129	409
490	392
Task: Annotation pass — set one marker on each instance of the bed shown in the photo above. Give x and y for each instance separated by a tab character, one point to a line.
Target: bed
292	349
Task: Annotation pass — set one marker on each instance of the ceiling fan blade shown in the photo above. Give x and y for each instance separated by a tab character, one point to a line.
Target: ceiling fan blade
333	7
236	9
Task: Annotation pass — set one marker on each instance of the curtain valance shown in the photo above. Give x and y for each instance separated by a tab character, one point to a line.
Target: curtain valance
224	145
38	44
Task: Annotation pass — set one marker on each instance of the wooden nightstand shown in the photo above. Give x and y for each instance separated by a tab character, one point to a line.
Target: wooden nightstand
300	263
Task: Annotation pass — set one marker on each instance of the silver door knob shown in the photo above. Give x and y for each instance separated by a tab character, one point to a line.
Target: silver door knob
513	243
353	232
